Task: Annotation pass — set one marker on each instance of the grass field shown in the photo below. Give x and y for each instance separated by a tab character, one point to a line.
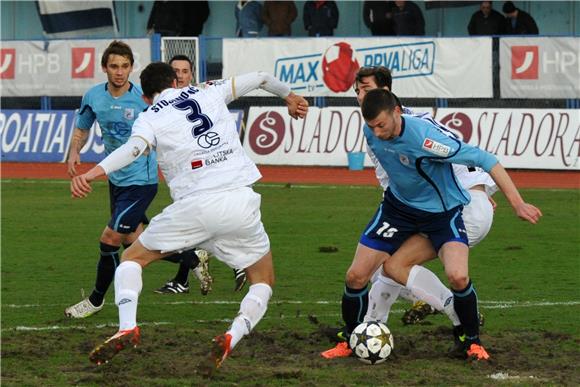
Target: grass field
527	279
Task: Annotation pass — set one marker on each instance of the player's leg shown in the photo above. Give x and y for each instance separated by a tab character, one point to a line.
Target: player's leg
240	241
128	206
449	237
180	283
172	230
128	285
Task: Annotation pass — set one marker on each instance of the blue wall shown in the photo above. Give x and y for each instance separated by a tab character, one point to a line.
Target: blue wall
20	20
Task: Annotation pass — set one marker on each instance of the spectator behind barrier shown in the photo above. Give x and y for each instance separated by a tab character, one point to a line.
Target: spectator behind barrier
278	17
518	21
178	18
320	17
408	19
487	21
248	18
378	17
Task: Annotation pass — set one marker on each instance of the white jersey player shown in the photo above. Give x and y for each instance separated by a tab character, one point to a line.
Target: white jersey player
209	177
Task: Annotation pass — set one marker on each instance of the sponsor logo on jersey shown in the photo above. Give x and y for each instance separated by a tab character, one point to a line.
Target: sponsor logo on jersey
7	63
436	147
525	62
129	114
83	62
195	164
208	139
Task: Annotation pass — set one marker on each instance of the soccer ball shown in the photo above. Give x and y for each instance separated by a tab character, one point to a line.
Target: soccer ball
372	342
339	67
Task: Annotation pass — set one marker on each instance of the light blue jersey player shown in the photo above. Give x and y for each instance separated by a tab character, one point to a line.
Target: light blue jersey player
424	197
116	116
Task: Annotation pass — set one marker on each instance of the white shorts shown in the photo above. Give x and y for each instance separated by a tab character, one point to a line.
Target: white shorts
478	217
227	224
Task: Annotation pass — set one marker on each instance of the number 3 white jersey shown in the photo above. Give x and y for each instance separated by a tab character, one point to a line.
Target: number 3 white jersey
197	142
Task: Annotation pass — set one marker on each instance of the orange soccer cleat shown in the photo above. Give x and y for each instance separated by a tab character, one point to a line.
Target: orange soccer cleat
341	350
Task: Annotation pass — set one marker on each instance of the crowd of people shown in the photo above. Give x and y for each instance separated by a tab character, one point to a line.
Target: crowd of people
321	18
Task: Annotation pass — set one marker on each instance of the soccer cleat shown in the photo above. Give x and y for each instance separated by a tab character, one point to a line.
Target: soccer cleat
115	344
418	312
458	350
341	350
201	271
240	278
220	349
83	309
476	352
173	287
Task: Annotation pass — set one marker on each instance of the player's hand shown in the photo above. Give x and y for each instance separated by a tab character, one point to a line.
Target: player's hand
528	212
297	106
80	186
493	203
73	161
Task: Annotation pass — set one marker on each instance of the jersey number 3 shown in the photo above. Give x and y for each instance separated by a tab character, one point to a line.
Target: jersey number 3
201	122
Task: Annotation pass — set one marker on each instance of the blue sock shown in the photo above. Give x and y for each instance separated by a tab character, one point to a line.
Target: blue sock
355	303
465	303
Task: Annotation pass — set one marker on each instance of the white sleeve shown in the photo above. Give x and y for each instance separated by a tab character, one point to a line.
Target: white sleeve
240	85
382	175
125	154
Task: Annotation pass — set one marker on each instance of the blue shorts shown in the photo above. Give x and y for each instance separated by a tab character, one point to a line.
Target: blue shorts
128	206
394	222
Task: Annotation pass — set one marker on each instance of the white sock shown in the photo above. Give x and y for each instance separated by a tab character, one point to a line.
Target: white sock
128	285
427	287
407	295
197	272
383	294
252	309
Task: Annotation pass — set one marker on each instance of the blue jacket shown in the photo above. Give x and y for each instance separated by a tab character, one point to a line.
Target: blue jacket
248	19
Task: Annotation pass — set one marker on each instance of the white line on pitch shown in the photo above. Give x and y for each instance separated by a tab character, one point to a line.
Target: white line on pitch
486	304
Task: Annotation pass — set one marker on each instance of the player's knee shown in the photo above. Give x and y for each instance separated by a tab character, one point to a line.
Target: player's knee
458	280
355	279
111	237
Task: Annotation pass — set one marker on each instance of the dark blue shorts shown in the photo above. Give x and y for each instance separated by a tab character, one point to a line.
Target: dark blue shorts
128	206
394	222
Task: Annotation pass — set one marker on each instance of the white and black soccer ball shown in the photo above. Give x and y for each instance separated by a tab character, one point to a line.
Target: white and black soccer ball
371	342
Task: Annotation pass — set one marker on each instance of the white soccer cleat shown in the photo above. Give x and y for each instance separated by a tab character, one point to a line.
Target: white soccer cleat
202	272
83	309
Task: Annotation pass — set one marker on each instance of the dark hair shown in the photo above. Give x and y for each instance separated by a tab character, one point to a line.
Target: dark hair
376	101
156	77
182	57
508	7
382	75
117	48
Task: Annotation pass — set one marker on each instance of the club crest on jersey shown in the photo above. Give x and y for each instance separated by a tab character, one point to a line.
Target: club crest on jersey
404	159
436	147
129	114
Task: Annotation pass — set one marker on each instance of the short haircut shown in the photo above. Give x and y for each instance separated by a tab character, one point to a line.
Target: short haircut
376	101
117	48
182	57
508	7
383	76
156	77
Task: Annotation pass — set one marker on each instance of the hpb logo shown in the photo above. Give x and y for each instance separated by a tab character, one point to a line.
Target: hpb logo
7	63
83	62
266	133
525	62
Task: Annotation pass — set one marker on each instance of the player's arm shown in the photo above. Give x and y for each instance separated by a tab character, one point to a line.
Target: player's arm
78	140
472	156
243	84
121	157
524	210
